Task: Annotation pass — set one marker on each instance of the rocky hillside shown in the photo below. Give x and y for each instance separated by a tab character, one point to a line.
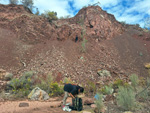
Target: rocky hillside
92	21
30	42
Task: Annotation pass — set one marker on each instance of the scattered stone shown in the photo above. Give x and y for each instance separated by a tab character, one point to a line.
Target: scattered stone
86	112
38	94
103	73
93	106
127	112
24	105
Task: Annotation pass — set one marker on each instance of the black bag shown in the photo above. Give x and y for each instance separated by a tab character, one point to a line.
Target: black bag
77	104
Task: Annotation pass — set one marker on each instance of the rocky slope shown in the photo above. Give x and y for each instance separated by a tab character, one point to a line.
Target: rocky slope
30	42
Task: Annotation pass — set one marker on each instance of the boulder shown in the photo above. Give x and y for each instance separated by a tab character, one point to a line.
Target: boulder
38	94
103	73
24	104
127	112
93	106
86	112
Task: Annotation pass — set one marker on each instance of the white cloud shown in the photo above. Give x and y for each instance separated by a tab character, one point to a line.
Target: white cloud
148	12
78	4
140	6
134	14
4	1
59	6
131	19
108	3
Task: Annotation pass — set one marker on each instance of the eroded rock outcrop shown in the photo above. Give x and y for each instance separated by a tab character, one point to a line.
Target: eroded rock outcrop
90	22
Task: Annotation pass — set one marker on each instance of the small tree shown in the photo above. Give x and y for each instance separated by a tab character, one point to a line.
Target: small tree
28	3
13	1
51	15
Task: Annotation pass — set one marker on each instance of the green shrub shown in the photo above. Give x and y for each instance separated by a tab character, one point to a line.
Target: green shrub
21	87
50	15
143	95
55	89
91	87
15	83
142	81
118	83
67	80
8	76
106	90
99	102
45	83
126	98
134	80
27	74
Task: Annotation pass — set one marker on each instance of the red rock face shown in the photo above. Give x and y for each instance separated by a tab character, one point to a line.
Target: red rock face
92	22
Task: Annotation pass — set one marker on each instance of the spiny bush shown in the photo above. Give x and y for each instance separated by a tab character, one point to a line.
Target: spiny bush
126	98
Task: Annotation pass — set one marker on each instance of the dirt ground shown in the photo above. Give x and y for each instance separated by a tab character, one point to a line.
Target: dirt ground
50	106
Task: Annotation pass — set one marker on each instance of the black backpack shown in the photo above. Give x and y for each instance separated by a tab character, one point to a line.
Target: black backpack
77	104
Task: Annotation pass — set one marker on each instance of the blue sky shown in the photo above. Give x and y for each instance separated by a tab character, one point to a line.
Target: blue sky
130	11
